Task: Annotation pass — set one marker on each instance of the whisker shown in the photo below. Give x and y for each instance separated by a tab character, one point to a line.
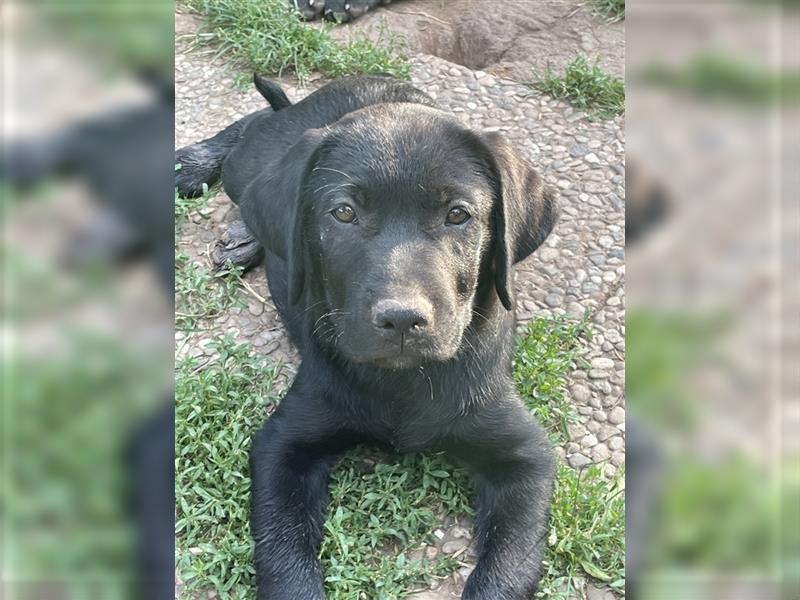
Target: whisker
333	170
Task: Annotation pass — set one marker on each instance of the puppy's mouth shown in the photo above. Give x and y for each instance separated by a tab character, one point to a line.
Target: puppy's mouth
410	355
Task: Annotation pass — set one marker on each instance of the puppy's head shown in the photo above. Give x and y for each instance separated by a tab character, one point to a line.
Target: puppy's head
403	217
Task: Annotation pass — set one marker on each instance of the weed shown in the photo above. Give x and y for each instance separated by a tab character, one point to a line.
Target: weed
267	36
587	532
546	353
201	295
586	87
612	10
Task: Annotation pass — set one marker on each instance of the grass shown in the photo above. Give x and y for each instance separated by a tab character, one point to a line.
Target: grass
201	295
545	355
61	415
267	36
383	507
721	77
612	10
585	86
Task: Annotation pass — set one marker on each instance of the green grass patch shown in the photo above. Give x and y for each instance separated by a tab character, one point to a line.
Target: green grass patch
587	533
612	10
545	355
67	418
267	36
383	507
585	86
720	77
219	405
201	295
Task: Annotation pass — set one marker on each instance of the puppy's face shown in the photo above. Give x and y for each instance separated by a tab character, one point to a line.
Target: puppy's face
399	225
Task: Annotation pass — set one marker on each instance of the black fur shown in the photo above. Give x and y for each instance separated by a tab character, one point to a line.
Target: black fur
341	11
403	315
272	92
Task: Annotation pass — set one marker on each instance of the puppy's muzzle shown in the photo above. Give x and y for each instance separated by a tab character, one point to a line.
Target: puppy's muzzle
395	319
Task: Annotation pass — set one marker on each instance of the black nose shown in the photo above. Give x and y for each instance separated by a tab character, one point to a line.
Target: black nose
392	316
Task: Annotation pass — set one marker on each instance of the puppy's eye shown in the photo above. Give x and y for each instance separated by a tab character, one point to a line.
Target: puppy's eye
344	213
347	7
457	216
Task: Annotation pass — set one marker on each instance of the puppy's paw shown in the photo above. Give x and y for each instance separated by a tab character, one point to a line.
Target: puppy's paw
194	167
237	247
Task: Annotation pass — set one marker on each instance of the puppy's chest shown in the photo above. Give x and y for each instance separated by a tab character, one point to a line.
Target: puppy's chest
407	420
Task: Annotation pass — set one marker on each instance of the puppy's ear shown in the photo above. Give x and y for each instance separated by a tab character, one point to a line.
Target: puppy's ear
525	211
275	208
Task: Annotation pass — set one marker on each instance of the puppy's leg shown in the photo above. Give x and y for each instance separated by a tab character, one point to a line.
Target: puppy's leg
201	163
513	468
237	247
290	462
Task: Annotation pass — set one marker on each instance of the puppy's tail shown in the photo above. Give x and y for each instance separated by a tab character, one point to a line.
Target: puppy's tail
272	92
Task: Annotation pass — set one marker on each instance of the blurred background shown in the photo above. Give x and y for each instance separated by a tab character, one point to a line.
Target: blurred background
713	94
86	173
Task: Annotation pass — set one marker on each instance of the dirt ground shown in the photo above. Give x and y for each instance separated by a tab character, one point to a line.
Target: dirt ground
506	39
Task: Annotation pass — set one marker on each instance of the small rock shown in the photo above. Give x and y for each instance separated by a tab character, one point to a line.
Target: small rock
576	431
617	415
601	362
600	453
255	307
600	416
548	254
618	458
598	374
578	461
553	300
606	432
591	158
580	393
460	532
578	150
588	440
454	546
616	443
431	552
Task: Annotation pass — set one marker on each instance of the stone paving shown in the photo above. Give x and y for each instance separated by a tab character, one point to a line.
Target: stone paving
580	268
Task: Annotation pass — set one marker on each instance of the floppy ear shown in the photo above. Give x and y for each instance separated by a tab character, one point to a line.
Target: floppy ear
275	208
525	211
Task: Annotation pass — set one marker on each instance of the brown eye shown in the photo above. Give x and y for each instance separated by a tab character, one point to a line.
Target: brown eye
344	213
457	216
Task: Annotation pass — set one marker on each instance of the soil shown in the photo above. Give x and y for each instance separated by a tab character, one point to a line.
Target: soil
526	38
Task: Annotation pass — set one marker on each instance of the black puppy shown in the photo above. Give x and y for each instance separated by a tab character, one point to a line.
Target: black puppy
341	11
344	11
390	233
